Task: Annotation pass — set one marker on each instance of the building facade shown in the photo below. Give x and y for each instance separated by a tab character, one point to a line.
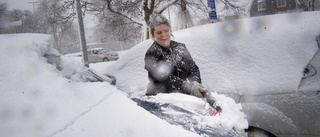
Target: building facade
267	7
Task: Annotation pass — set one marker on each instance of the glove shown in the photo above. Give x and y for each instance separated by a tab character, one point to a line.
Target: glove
194	88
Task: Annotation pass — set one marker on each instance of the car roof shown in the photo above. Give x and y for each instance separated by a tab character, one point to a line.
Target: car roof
97	49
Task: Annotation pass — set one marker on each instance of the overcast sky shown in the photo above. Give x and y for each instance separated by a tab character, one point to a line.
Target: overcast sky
19	4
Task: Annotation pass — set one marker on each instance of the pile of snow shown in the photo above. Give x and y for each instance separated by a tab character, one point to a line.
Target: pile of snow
231	117
260	55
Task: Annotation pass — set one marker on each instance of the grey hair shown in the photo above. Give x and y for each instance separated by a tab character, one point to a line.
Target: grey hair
156	20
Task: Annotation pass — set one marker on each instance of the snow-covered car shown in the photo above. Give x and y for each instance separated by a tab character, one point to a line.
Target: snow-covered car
101	55
259	62
45	94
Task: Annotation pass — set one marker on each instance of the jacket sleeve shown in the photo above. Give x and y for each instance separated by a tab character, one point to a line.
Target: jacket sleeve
191	67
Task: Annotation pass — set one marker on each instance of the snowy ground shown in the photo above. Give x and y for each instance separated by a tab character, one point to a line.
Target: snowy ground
254	55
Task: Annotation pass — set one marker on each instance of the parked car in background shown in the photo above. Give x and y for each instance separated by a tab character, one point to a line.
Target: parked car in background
101	55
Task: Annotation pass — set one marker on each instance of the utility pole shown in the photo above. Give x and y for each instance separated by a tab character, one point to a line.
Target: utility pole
33	3
82	35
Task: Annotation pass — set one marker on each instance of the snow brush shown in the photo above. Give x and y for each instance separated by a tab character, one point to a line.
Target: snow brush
212	103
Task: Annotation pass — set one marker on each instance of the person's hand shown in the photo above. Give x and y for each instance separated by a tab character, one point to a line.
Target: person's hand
194	88
198	90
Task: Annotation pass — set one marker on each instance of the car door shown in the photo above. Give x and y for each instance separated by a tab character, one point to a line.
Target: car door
95	55
90	57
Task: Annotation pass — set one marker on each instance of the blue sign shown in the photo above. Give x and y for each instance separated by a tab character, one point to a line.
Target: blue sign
213	15
211	4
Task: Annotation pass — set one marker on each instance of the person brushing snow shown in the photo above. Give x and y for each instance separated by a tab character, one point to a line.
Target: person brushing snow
169	64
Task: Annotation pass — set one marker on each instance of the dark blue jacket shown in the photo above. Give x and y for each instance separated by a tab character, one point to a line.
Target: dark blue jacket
169	67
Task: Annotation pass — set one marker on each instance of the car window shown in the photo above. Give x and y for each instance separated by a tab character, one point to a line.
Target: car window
95	51
105	50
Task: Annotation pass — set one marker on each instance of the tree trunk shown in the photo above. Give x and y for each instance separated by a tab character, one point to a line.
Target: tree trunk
147	12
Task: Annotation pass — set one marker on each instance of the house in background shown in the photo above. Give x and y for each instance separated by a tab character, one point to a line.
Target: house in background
267	7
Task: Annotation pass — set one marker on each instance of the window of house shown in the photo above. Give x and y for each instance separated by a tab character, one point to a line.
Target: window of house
262	5
281	3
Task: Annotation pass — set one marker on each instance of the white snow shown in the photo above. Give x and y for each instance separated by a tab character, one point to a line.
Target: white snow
254	55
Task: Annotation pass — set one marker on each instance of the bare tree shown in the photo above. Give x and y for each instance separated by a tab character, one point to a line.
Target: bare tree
27	19
3	15
234	7
120	18
58	17
53	17
3	8
126	18
30	22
